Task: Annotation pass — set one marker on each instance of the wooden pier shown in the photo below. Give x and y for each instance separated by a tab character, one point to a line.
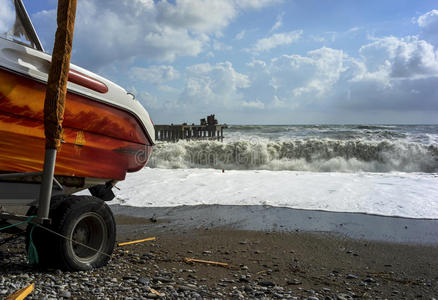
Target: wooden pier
207	130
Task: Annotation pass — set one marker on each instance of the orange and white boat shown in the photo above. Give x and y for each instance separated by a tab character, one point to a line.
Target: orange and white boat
106	131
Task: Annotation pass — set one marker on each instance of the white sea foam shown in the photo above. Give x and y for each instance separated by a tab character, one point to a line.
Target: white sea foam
316	155
412	195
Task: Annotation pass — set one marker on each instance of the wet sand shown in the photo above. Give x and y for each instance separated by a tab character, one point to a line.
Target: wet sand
278	219
312	253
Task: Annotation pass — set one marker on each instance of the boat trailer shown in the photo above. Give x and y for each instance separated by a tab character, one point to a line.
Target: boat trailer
78	232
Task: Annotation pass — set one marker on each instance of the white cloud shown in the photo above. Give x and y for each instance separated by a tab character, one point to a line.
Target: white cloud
429	25
256	3
398	74
294	81
393	76
168	89
353	29
277	102
257	104
390	75
149	100
218	46
216	84
429	21
406	57
109	31
154	74
7	16
199	16
278	23
319	39
333	36
158	103
240	35
276	40
224	75
313	74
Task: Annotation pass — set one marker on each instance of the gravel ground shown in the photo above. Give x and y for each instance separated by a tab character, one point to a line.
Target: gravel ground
262	265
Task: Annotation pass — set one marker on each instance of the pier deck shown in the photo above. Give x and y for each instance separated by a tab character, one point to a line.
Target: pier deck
207	130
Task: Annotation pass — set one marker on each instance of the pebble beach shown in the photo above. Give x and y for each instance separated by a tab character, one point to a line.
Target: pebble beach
262	264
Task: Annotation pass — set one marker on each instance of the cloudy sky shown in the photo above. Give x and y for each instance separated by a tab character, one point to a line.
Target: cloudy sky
262	61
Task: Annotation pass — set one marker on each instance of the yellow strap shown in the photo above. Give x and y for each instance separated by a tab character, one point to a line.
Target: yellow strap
21	294
135	242
206	262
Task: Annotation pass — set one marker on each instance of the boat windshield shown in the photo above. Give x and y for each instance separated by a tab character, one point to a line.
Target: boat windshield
15	24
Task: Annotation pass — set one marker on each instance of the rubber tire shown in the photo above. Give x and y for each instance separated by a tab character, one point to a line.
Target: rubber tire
57	252
42	239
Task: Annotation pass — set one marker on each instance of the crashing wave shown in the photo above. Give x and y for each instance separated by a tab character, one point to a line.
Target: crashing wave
317	155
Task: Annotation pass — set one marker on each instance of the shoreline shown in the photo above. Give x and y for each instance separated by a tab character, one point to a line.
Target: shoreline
280	219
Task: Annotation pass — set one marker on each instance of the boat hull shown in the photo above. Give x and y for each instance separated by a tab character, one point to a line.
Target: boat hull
99	140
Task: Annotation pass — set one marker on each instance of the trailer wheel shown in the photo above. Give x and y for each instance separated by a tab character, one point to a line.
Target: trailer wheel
84	219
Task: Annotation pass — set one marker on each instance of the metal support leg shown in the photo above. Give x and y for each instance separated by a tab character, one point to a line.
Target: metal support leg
46	186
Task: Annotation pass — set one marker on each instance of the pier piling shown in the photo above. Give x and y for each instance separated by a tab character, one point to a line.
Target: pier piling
207	130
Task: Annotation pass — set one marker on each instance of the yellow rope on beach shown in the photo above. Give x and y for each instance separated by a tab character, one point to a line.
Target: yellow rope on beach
136	242
22	294
189	260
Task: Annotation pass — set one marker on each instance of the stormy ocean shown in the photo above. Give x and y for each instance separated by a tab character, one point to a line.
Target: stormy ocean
316	148
376	169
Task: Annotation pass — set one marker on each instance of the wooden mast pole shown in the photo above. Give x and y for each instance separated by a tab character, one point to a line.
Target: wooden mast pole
55	98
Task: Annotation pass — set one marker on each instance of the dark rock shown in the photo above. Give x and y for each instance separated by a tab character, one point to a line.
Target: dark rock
129	277
65	294
143	280
343	297
148	255
183	288
166	280
151	296
266	283
369	280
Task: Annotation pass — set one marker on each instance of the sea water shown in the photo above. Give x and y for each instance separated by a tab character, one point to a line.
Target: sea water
378	169
316	148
